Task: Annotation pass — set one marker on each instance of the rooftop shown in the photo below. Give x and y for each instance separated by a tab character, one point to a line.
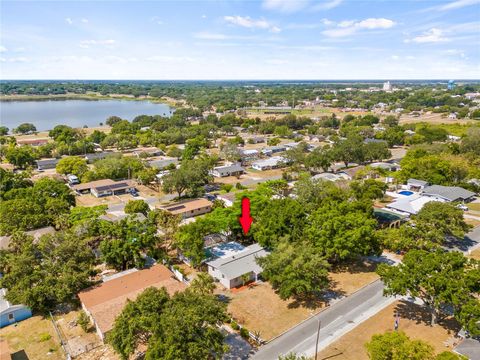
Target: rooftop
417	182
106	300
412	204
450	193
185	206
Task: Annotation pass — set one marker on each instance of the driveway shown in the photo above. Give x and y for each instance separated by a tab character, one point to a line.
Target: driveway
336	320
470	242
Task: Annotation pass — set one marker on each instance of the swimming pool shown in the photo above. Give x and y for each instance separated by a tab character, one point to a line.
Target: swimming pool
406	192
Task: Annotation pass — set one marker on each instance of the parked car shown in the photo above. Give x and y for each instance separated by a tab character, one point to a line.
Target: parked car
462	207
133	192
73	180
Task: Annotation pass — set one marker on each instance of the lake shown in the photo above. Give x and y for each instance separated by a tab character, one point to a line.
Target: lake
75	113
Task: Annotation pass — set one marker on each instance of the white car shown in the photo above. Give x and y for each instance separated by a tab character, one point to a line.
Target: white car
462	207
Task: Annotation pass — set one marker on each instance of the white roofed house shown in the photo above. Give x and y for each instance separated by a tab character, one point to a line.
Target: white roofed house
237	269
270	163
411	205
249	154
228	170
44	164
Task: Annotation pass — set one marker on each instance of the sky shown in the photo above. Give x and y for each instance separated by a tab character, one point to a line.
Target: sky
244	40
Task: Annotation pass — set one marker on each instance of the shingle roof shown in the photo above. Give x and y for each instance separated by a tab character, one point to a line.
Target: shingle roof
241	263
450	193
228	168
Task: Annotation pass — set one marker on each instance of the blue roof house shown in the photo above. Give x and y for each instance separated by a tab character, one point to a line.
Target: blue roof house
9	313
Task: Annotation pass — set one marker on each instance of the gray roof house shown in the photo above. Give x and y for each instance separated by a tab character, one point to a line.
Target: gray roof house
163	163
44	164
228	170
415	184
237	269
449	193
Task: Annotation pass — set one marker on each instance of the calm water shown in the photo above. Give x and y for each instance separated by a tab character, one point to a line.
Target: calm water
75	113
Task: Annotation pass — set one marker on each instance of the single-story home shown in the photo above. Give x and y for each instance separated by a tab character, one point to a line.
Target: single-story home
227	198
163	162
271	163
248	154
148	152
98	156
331	176
104	302
257	140
211	244
228	170
189	208
104	187
33	142
37	234
416	185
449	193
273	150
9	313
44	164
411	205
233	270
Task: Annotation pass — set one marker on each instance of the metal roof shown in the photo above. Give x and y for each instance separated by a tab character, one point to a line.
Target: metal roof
228	168
450	193
417	182
241	263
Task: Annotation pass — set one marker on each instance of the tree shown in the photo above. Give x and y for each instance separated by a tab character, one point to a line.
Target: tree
437	278
320	158
398	346
46	273
373	151
188	329
437	220
10	180
280	219
342	231
348	150
191	176
72	165
25	128
64	133
3	130
21	156
112	120
137	321
295	270
83	320
137	206
368	189
203	284
230	151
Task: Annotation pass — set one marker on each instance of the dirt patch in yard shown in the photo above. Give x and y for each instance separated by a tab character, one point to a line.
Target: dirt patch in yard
413	321
36	336
475	254
259	308
90	200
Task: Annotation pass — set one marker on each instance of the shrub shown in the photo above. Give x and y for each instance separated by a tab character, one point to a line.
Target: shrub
244	333
234	325
44	337
227	187
83	321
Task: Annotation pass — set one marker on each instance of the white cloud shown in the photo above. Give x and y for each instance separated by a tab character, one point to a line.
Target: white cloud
20	59
205	35
248	22
85	44
204	16
285	6
69	21
327	5
157	20
395	57
457	4
276	61
170	59
433	35
349	27
84	20
3	49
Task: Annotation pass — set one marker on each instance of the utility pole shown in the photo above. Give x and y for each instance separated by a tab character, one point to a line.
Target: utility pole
318	335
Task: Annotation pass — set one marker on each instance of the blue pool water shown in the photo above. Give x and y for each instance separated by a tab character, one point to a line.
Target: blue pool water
406	192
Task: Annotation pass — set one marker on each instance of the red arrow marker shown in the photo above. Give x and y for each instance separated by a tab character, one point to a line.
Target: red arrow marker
245	220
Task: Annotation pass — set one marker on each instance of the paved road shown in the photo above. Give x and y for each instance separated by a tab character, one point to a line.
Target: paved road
336	321
470	242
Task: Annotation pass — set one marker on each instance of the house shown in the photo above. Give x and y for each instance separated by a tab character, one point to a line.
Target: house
236	269
189	208
411	205
163	162
273	150
45	164
104	302
256	140
385	166
331	177
228	170
36	234
32	142
228	198
148	152
9	313
248	154
416	185
211	244
120	215
271	163
98	156
104	187
292	145
449	193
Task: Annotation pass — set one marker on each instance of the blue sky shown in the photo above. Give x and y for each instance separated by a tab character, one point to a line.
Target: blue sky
270	39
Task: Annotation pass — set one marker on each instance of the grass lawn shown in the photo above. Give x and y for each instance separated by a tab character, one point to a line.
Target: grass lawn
36	336
472	222
414	322
475	254
259	308
474	206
